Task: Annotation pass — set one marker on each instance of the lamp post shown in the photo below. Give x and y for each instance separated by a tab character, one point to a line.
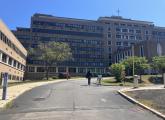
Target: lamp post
133	63
135	77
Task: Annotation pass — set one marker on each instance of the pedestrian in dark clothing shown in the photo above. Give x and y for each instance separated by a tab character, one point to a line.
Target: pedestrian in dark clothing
88	76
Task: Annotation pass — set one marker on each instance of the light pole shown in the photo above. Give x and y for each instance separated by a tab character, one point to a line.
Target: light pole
133	63
135	77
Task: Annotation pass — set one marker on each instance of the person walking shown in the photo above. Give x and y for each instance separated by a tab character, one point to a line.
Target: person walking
88	76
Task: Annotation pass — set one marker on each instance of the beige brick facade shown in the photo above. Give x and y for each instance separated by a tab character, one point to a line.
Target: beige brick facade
12	54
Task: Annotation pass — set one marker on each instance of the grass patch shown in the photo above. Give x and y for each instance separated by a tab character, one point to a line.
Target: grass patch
9	104
112	82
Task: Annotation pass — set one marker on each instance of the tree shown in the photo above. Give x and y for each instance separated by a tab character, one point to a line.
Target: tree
51	53
158	63
118	70
140	64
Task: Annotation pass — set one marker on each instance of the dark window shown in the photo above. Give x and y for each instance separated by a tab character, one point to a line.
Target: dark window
52	69
62	69
40	69
67	32
4	58
118	30
109	42
10	61
138	31
118	36
124	30
72	70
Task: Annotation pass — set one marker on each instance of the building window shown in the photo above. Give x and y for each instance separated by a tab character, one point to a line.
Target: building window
4	58
109	42
132	37
124	30
116	24
118	30
15	63
110	49
72	70
123	24
125	44
40	69
109	35
52	69
82	70
62	69
138	37
109	29
31	69
118	43
138	31
10	61
141	51
118	36
131	31
146	32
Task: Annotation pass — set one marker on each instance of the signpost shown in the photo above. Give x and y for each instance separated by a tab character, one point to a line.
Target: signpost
164	79
4	85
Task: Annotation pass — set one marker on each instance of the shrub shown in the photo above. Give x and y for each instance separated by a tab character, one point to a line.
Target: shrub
54	77
118	70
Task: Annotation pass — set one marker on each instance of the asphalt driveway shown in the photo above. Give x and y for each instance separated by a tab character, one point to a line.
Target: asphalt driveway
74	100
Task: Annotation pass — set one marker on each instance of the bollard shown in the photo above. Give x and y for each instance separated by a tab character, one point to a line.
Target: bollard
136	77
164	79
4	84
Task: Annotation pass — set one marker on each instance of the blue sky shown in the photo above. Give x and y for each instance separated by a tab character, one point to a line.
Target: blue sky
18	12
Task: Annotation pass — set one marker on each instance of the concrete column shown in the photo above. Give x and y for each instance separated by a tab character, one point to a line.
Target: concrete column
0	56
56	69
12	63
67	69
35	69
7	60
76	69
86	70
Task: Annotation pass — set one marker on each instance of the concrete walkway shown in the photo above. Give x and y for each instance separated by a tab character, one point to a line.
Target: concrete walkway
143	88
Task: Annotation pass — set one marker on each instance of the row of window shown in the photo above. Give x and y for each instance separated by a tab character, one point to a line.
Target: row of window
129	37
14	77
156	33
64	69
130	25
85	62
125	30
70	26
63	32
8	42
11	62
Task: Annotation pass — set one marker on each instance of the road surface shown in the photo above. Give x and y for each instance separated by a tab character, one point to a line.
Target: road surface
74	100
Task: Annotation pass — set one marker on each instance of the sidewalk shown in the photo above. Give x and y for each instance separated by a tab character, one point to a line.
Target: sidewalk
15	91
123	93
152	87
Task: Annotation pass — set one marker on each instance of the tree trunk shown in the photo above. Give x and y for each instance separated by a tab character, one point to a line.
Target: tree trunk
47	73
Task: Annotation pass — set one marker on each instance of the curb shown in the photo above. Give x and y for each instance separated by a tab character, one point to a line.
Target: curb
141	105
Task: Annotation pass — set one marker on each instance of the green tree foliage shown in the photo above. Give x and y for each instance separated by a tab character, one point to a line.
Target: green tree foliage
158	63
140	64
118	70
51	53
